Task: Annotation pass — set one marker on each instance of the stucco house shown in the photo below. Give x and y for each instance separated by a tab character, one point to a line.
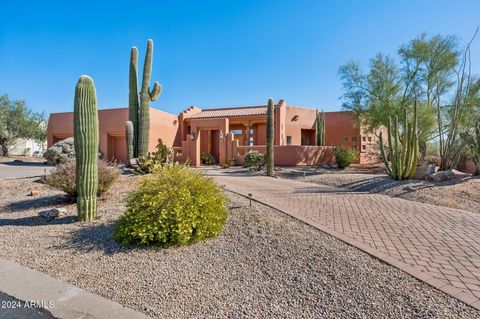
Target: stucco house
230	132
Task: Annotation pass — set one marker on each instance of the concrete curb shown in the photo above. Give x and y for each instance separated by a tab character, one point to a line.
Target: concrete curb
59	298
446	288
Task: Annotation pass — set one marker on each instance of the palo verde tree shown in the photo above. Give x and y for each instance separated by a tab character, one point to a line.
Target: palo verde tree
424	74
18	121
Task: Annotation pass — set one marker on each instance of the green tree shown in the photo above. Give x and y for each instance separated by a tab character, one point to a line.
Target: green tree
18	121
424	73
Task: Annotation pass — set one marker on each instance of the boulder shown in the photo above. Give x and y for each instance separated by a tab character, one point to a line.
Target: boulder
424	170
440	176
53	213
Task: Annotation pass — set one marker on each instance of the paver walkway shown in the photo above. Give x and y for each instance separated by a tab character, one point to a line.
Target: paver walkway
436	244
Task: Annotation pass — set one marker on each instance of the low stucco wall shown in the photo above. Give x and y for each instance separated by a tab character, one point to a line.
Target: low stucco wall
291	155
112	141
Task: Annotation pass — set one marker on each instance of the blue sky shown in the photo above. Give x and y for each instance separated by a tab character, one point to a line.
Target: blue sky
210	53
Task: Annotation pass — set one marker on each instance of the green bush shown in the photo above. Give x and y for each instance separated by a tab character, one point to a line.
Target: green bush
207	158
148	164
344	157
64	175
175	205
254	160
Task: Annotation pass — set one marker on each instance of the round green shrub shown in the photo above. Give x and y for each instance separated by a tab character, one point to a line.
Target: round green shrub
207	158
254	160
344	157
175	205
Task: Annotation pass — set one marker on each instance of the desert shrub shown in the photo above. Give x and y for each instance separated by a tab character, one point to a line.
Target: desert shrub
60	152
433	159
254	160
344	157
63	177
148	164
207	158
175	205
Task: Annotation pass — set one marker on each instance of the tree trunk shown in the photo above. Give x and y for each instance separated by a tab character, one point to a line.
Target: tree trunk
4	147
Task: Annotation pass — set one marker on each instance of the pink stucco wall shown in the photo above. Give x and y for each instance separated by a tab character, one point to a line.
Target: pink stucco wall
112	142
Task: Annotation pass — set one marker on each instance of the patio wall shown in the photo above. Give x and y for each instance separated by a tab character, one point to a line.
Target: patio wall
290	155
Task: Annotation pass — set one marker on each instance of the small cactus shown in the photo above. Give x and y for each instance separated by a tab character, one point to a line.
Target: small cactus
129	133
403	155
85	120
320	128
270	137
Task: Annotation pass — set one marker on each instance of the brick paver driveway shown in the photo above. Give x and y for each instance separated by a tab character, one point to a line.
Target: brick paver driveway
436	244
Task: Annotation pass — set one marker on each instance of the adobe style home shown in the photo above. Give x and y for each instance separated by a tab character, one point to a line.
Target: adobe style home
229	133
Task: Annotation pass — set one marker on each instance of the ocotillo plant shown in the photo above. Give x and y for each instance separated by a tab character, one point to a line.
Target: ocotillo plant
403	154
270	137
85	120
129	133
320	128
133	97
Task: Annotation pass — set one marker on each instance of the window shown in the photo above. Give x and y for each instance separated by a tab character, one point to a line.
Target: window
345	139
236	132
364	147
251	131
251	141
289	140
369	138
354	139
364	138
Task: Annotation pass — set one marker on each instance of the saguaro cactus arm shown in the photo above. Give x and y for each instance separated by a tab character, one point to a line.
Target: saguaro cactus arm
85	120
133	104
129	133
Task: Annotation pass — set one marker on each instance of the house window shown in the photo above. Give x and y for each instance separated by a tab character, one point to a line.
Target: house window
364	138
251	131
364	147
369	138
251	141
289	140
236	132
354	139
345	139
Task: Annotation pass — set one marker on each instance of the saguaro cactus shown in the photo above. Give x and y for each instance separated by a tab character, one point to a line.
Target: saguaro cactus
146	96
404	154
85	120
129	133
270	138
133	97
320	128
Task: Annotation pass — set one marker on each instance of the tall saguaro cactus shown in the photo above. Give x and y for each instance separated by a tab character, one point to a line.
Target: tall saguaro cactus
403	150
85	120
270	137
139	102
129	133
133	107
320	128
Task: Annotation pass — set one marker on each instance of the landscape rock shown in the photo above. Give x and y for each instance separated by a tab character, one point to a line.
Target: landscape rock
53	213
424	170
34	192
440	176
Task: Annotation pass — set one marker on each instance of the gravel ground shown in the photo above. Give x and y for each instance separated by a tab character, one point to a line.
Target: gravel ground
462	193
264	264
